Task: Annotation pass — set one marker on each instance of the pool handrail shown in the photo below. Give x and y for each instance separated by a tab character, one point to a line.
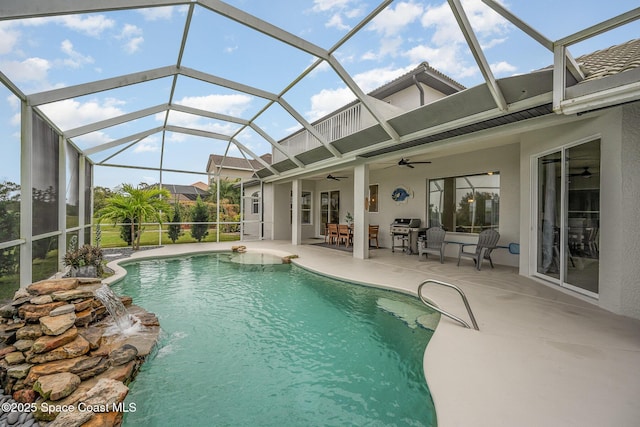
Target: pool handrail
441	311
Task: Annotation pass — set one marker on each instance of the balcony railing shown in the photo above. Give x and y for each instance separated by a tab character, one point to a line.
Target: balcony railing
342	124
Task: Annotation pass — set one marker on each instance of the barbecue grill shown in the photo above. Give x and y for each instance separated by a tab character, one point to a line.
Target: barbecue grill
406	231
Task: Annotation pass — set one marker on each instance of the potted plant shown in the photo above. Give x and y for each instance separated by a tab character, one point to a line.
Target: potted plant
85	261
349	218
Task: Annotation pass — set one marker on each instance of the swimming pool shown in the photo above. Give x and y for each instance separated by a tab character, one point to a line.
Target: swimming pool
275	345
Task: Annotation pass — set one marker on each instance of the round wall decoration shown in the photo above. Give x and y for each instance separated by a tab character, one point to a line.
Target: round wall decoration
401	194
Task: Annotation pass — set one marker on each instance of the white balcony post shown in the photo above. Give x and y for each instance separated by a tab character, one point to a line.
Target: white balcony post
296	224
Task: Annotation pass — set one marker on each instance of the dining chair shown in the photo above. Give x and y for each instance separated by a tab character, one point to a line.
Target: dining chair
373	234
344	234
332	232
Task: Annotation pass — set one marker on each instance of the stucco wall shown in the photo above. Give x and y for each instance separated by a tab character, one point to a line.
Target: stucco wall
630	155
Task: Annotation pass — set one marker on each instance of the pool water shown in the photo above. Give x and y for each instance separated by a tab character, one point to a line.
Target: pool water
275	345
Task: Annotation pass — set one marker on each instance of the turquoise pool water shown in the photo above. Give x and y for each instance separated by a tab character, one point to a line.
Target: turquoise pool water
275	345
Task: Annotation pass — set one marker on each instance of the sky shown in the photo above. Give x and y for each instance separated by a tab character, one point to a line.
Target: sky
40	54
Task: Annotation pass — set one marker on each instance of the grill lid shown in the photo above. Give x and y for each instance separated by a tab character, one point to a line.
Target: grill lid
406	222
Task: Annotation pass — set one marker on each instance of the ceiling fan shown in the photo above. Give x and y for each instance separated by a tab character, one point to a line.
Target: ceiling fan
408	163
585	173
336	178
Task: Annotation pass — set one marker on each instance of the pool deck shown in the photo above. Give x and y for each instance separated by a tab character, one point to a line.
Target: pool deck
541	358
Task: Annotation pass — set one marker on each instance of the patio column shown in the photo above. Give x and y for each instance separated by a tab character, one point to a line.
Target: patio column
296	225
361	212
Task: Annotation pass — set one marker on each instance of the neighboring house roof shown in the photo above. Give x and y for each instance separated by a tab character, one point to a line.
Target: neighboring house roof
613	60
190	192
237	163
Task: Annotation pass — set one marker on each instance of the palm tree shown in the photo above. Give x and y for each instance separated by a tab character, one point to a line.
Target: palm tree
135	205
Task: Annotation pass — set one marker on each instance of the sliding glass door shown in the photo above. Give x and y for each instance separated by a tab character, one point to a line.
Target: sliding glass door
329	209
568	217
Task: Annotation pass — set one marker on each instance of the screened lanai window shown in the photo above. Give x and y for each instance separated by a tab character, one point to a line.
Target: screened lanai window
45	167
465	204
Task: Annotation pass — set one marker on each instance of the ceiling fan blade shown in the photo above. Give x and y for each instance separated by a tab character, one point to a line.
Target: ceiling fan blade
408	163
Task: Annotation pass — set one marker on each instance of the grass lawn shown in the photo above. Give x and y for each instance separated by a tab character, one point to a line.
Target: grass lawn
110	237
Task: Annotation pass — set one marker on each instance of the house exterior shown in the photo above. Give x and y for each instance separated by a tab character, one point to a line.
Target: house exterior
559	177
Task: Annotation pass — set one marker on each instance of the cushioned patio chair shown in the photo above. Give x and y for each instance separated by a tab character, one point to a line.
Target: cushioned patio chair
433	244
487	241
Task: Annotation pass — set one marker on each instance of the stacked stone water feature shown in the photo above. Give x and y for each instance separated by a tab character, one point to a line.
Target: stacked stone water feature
59	360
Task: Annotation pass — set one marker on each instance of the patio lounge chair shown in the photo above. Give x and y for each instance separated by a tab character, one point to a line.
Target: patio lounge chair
487	241
434	243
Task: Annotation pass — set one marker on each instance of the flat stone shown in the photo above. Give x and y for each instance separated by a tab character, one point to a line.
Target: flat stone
106	392
25	396
14	358
19	371
72	295
29	332
63	309
58	324
23	345
56	386
42	299
6	349
45	287
75	348
84	318
148	319
8	311
48	342
91	367
65	365
123	354
93	335
20	294
104	419
83	304
75	418
33	312
126	300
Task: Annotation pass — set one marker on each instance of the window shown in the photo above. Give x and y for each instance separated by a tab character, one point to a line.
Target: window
373	198
255	202
305	208
467	204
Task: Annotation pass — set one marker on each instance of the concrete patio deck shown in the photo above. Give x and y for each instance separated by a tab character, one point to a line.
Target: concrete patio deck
541	358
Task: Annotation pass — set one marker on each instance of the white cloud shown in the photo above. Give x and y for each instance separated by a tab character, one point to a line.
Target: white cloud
391	21
447	50
8	38
328	100
29	70
503	67
339	10
75	59
336	22
233	105
157	13
132	35
146	147
69	113
91	25
325	5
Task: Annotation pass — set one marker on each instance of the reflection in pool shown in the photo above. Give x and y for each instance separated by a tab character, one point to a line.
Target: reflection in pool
273	344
